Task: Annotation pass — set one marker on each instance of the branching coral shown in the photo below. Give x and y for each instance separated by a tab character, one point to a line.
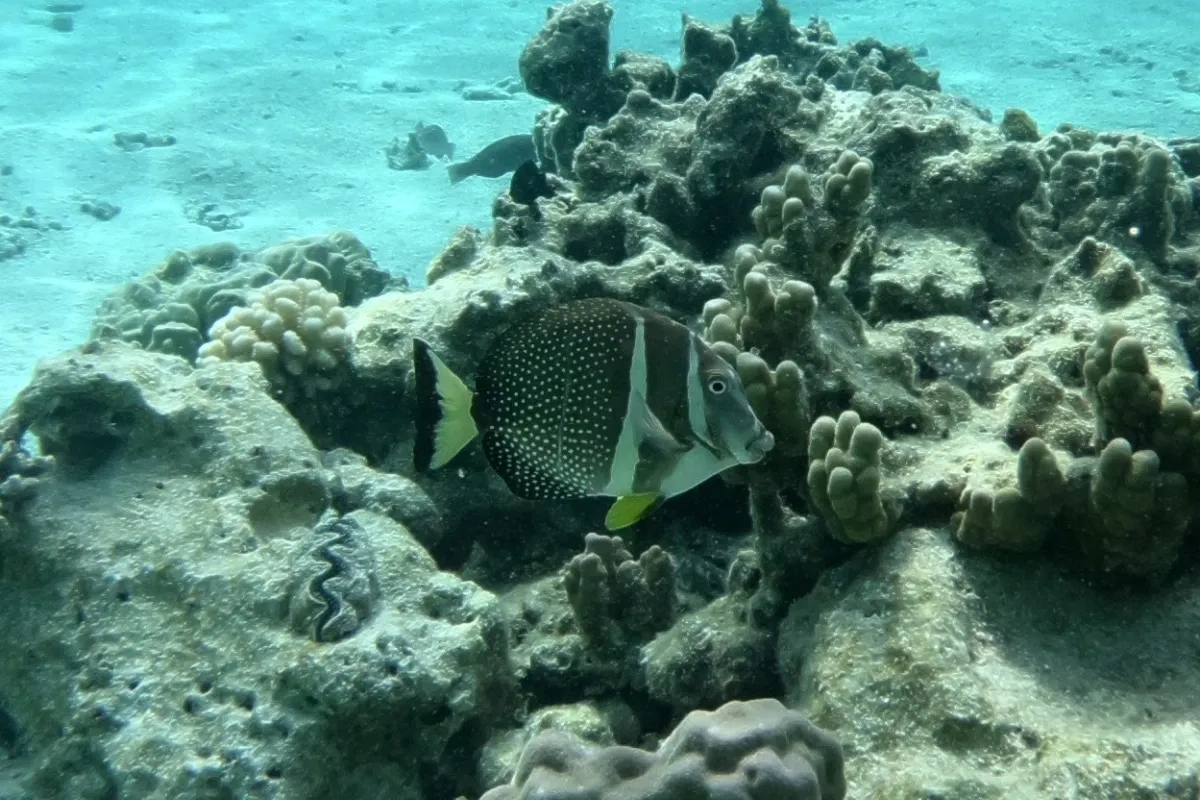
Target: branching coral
1116	188
844	478
809	233
1127	511
1016	519
1139	513
779	396
19	473
1127	398
616	599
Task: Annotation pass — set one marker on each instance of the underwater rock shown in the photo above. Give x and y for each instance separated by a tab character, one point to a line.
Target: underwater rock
964	675
172	669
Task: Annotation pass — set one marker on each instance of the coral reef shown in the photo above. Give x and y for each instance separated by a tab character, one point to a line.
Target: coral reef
972	555
844	478
175	533
294	330
172	309
766	751
1115	187
616	598
1127	511
19	472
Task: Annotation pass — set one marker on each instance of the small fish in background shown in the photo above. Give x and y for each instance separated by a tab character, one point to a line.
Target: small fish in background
422	142
498	158
528	184
432	139
594	397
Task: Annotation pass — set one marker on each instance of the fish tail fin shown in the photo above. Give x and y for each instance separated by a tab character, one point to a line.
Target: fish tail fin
459	171
444	422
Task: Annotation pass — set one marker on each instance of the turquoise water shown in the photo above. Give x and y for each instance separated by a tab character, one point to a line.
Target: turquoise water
230	581
281	113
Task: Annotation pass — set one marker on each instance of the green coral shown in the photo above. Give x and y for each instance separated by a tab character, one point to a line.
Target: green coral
1139	514
1015	518
844	478
806	232
1126	396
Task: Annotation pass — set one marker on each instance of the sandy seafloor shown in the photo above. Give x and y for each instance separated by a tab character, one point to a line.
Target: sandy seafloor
281	111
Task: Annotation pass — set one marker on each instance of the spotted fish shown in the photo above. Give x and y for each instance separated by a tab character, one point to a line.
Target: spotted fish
594	397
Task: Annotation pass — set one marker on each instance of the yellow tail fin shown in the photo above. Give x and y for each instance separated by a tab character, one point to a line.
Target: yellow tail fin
444	421
631	508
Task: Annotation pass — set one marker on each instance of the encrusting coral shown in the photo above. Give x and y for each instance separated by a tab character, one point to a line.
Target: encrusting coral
765	751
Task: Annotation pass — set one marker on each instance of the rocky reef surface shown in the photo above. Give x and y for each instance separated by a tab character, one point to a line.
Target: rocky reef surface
969	569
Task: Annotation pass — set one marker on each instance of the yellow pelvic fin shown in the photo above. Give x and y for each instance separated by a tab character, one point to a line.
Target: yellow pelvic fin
631	508
444	422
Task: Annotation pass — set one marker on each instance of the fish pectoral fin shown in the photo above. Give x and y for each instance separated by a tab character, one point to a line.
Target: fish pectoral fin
652	434
630	509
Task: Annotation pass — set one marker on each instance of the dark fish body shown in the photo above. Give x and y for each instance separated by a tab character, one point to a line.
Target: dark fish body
592	398
432	139
528	184
498	158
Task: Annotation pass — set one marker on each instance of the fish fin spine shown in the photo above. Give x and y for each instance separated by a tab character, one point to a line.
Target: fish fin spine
445	424
630	509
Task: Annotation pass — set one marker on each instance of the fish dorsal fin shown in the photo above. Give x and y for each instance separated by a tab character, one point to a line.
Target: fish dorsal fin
631	508
654	439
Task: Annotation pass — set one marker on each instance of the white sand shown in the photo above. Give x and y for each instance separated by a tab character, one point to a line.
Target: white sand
283	118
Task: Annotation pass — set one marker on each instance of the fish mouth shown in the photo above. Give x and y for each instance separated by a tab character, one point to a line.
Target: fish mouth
758	448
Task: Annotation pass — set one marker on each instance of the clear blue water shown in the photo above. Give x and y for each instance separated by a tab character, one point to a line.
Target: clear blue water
281	116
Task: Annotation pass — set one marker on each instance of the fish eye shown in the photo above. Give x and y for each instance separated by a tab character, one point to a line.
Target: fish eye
716	386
